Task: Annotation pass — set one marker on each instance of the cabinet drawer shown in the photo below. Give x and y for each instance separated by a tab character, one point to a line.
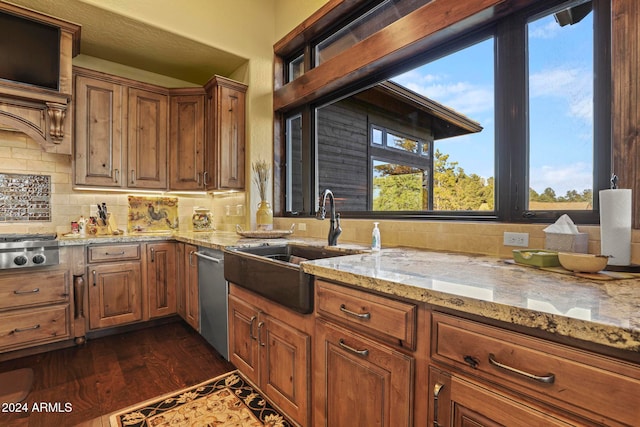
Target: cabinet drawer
33	288
390	320
577	381
23	328
113	253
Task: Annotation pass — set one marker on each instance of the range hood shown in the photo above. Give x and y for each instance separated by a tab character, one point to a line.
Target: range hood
37	106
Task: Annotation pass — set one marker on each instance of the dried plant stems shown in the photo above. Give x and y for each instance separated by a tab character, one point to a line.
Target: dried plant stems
261	170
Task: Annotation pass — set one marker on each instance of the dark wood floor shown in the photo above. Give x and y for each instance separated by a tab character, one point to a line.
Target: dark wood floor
110	373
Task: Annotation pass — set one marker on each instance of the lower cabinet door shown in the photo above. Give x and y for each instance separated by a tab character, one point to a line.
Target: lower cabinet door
458	402
244	349
360	382
115	294
161	279
286	363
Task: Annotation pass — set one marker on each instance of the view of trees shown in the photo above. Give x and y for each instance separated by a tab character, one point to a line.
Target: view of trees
405	188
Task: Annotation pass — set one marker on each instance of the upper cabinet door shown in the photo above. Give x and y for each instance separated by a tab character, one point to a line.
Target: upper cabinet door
226	130
98	132
147	139
186	151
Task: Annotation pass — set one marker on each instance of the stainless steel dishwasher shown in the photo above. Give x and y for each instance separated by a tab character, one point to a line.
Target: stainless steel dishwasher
213	289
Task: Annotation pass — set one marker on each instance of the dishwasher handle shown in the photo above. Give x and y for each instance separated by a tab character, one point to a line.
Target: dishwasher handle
207	257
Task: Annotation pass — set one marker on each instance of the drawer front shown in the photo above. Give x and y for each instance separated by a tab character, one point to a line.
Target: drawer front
113	253
25	328
385	318
577	381
33	288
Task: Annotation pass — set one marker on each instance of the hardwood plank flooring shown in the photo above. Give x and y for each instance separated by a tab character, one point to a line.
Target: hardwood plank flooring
110	373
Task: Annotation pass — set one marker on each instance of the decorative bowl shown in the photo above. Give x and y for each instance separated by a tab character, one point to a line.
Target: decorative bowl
582	263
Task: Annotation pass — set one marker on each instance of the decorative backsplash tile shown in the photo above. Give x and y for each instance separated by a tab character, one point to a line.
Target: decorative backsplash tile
25	197
149	214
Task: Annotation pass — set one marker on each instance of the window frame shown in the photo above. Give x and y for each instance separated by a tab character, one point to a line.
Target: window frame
511	161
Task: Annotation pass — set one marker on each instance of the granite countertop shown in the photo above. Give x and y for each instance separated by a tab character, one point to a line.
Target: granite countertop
605	312
597	311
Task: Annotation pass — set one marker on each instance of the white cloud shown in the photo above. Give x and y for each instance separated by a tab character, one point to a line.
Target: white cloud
464	97
576	176
544	30
574	85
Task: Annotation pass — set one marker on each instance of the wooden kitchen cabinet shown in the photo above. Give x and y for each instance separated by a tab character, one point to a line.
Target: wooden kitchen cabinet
570	383
121	130
162	261
187	148
364	369
359	381
458	402
267	346
115	285
147	138
188	296
98	136
226	134
35	308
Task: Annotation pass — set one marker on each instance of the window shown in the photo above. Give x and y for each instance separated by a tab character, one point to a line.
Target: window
295	68
560	68
485	126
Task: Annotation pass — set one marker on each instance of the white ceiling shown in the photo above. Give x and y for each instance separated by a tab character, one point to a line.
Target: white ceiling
113	37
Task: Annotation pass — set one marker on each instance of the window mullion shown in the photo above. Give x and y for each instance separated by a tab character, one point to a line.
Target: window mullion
512	140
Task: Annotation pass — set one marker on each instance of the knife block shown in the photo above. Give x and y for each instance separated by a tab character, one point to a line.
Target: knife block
109	228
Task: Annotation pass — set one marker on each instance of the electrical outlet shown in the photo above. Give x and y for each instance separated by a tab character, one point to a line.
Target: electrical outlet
302	226
516	239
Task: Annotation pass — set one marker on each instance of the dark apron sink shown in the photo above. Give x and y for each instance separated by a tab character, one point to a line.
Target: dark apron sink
274	272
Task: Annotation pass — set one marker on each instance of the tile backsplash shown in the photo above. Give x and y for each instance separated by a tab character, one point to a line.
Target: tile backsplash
19	154
25	197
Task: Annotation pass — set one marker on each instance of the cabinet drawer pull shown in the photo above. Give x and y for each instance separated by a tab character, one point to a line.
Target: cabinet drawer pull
253	337
344	309
547	379
260	325
436	394
27	329
114	253
364	352
153	255
33	291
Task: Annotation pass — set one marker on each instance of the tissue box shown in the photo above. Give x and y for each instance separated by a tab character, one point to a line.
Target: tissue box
567	242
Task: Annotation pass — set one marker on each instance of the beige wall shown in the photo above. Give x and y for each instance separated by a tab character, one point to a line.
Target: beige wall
290	13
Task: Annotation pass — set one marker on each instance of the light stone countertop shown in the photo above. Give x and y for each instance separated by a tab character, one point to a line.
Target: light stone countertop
602	312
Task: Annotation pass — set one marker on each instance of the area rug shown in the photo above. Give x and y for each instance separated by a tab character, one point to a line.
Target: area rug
226	401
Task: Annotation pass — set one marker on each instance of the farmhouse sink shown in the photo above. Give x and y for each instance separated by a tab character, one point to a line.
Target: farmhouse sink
274	272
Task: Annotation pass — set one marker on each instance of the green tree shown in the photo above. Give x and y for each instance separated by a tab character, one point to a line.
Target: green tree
403	192
454	190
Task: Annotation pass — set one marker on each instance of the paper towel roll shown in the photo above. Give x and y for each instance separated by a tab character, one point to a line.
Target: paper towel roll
615	225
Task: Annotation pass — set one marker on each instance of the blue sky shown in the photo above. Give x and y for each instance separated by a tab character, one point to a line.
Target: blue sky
561	108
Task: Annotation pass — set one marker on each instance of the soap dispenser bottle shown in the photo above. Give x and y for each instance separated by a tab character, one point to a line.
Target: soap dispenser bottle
375	237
